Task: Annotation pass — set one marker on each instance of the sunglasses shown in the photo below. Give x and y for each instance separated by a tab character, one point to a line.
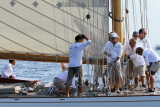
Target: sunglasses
112	38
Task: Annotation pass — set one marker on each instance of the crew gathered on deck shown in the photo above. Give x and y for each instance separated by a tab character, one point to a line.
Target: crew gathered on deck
141	61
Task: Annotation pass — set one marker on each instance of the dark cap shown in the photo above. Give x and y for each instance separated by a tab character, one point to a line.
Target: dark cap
135	33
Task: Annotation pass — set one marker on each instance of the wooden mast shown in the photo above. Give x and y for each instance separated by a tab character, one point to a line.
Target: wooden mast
117	21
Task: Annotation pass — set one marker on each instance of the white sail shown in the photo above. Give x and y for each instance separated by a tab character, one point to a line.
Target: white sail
49	27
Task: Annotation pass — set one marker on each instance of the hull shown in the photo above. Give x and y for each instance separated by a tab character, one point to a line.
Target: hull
132	101
18	80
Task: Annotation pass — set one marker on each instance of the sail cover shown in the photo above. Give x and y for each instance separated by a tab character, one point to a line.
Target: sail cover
48	27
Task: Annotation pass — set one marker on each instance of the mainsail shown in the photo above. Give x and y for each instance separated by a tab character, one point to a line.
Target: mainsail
43	30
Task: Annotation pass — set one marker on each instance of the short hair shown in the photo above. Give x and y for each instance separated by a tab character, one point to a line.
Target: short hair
132	40
11	60
139	50
141	30
78	37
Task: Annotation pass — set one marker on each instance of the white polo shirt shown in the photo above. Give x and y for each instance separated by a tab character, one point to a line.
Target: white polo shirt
7	71
144	43
138	60
113	51
76	53
130	51
150	56
63	76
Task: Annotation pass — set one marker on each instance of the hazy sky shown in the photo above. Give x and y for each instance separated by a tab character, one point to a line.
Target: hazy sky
153	19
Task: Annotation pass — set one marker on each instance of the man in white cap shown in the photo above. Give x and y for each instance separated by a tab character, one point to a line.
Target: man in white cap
113	49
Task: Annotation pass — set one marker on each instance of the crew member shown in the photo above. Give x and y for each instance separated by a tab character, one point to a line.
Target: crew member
8	69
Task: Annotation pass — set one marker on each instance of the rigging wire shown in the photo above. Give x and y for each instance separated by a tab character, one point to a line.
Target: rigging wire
54	25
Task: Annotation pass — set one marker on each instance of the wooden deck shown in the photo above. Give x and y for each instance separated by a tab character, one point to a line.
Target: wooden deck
125	93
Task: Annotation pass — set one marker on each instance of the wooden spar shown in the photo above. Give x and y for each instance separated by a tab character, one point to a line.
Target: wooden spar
117	24
45	58
117	21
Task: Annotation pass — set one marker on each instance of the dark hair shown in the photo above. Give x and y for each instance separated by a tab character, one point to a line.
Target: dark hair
11	60
139	50
132	40
79	37
141	30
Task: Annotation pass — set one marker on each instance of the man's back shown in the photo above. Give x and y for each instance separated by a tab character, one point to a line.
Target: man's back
7	71
63	76
138	60
150	56
76	53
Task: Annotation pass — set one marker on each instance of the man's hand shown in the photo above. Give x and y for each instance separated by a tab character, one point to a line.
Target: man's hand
105	53
117	59
125	55
11	77
128	57
85	37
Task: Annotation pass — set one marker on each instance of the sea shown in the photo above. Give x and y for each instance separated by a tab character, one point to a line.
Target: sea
46	71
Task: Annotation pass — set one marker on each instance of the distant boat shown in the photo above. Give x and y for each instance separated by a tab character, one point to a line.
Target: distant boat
158	47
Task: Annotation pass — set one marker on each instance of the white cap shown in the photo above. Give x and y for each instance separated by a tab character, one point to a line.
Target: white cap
114	35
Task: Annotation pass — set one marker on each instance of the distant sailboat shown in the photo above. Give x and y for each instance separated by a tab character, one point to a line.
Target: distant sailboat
157	47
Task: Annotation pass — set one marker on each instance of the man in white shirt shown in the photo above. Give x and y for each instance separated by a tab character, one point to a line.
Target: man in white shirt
75	59
152	60
8	69
144	42
139	69
60	81
130	50
113	49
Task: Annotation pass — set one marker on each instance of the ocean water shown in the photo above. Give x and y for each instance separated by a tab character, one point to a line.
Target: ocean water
44	71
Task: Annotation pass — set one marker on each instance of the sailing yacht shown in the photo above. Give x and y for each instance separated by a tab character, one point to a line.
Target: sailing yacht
43	30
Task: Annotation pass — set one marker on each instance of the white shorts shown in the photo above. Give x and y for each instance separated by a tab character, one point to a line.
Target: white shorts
139	71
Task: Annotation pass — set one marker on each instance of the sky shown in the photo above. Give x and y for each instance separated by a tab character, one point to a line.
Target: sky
153	19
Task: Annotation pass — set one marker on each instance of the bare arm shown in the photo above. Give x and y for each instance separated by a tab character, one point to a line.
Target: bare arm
85	37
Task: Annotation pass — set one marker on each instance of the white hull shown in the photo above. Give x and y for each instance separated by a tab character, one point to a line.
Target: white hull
132	101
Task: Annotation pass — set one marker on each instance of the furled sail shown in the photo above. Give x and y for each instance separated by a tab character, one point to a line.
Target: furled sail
43	30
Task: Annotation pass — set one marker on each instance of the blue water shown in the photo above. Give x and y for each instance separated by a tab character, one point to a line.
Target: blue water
44	71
